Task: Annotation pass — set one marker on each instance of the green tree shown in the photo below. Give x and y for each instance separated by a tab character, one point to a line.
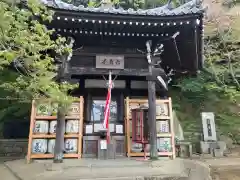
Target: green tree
25	46
126	4
217	87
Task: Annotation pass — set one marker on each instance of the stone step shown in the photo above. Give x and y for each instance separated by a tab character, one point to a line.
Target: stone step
139	178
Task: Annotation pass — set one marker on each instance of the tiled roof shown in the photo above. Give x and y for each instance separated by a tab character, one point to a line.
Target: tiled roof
191	7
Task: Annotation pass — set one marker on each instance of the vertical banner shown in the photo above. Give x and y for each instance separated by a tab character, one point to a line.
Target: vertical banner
107	108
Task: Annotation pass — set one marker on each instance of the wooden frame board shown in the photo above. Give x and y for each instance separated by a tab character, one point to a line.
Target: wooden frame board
78	136
128	103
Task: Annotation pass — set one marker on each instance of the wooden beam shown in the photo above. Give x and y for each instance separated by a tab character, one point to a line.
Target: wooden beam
88	51
94	71
110	17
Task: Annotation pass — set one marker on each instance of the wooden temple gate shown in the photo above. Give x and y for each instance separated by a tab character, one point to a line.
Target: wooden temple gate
115	39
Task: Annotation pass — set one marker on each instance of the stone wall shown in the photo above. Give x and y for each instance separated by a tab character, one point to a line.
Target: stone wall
13	147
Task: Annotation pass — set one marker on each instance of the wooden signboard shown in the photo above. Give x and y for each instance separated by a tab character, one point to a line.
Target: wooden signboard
110	61
164	125
42	133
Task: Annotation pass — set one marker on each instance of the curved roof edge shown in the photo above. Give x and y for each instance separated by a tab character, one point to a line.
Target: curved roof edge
191	7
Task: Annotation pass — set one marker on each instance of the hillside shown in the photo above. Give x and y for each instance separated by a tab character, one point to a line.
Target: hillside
191	102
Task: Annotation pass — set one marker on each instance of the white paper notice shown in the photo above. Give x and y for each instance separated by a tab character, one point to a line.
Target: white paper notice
119	129
112	127
89	129
103	144
98	127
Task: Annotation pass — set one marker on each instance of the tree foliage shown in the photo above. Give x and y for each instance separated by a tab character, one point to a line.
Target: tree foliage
27	53
126	4
222	59
25	44
216	88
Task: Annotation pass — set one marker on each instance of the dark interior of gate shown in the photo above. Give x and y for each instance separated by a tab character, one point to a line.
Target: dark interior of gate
100	31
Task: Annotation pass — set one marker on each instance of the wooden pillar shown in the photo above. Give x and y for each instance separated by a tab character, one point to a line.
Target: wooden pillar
196	41
121	107
151	107
201	43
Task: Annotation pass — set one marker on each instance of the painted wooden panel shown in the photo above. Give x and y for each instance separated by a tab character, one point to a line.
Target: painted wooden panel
71	145
163	126
41	127
53	126
72	126
164	144
90	146
43	109
162	109
74	109
39	146
120	147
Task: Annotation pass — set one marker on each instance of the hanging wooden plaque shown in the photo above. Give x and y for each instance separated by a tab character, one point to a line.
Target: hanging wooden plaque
110	61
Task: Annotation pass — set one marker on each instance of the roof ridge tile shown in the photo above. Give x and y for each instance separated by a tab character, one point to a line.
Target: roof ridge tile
191	7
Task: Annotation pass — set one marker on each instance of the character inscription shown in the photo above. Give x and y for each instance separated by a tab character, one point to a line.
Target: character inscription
109	62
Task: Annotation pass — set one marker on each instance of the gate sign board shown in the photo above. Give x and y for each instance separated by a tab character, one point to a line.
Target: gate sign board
110	61
209	129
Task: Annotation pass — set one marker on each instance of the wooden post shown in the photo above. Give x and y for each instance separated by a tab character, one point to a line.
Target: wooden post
151	107
172	128
60	131
152	117
32	121
80	136
127	126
